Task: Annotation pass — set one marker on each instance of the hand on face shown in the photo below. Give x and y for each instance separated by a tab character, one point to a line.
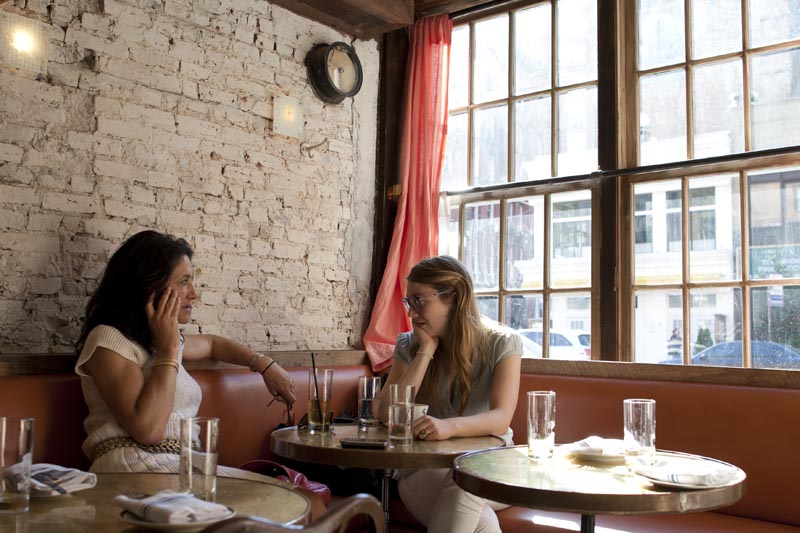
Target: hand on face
162	318
427	343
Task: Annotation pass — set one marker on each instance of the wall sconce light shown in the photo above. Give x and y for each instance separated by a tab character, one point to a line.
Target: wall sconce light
287	116
23	43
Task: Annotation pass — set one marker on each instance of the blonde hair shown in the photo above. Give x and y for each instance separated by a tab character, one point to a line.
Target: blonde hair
465	332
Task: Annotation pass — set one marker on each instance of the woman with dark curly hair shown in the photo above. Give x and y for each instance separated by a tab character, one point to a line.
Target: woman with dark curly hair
467	369
131	349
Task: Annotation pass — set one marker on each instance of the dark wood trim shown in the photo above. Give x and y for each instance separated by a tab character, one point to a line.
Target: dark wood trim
394	59
751	377
607	151
27	364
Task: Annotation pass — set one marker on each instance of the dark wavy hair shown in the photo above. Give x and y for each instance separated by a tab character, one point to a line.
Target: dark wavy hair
139	269
465	330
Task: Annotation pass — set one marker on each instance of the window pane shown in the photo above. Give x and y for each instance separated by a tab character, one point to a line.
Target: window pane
458	88
776	326
570	336
774	225
716	327
525	243
577	131
491	59
773	21
448	243
482	244
662	122
490	146
716	27
659	261
571	239
716	236
532	56
532	144
577	41
657	323
717	109
776	99
487	305
524	311
661	33
454	171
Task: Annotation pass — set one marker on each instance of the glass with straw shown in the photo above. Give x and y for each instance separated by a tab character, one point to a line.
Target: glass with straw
320	387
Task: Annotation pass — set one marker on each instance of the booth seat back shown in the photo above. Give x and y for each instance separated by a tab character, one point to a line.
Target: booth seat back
239	398
56	403
755	428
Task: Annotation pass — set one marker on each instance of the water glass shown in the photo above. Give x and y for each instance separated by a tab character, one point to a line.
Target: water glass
16	452
640	432
198	463
369	389
541	424
401	413
320	387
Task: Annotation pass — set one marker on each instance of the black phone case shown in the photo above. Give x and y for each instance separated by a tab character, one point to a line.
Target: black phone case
355	442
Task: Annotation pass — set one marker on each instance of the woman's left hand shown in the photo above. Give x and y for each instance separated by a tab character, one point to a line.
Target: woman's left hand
280	384
429	428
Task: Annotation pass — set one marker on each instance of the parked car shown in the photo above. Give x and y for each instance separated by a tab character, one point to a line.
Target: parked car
765	354
564	343
530	350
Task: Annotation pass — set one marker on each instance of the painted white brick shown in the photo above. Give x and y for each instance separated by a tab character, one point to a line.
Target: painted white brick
12	220
44	222
108	229
11	153
44	285
27	242
70	203
128	210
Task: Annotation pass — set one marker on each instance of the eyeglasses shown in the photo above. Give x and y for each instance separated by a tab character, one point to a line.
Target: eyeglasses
417	302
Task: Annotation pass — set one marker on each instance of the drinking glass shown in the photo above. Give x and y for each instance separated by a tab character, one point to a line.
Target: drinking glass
198	466
16	451
369	389
320	386
541	424
640	431
401	413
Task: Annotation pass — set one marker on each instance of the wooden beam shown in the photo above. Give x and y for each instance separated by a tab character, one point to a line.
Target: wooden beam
361	18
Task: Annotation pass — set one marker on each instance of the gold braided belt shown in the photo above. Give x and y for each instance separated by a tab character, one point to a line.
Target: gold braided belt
171	446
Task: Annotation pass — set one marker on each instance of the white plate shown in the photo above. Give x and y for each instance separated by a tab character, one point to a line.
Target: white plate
190	526
671	485
600	457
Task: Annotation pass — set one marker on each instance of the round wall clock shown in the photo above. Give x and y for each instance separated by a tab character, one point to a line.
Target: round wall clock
334	71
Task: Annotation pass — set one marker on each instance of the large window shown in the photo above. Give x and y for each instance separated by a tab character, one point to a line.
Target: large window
706	217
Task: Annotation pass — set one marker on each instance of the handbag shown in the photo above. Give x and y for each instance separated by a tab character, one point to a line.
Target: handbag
284	473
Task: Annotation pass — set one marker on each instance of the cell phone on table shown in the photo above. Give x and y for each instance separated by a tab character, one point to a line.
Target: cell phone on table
355	442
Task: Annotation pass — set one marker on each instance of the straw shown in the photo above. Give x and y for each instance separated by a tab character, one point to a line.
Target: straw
316	386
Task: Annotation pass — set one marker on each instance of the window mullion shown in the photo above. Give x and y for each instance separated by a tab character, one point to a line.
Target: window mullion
744	217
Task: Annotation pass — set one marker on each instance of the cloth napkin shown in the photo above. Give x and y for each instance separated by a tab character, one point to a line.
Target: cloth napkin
53	479
595	445
172	507
700	473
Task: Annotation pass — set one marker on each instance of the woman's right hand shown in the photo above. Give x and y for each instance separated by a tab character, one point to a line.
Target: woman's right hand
427	344
163	321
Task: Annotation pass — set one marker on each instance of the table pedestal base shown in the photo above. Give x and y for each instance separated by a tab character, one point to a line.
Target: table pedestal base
587	523
385	487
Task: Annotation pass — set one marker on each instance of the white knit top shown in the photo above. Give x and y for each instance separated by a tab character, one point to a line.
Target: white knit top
101	423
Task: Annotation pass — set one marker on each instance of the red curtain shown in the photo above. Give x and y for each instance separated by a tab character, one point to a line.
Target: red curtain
416	230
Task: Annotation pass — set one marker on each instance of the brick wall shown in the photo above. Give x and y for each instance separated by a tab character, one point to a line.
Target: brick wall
158	115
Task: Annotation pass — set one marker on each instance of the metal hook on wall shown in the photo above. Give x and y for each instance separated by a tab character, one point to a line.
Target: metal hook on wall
305	148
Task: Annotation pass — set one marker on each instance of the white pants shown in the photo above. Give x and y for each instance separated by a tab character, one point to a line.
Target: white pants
435	500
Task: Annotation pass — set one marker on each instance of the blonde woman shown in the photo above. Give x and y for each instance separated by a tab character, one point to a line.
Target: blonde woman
467	370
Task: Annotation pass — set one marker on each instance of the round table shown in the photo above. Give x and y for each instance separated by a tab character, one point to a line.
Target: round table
93	509
325	448
563	484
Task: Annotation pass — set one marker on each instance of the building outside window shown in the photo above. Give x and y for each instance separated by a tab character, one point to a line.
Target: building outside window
713	244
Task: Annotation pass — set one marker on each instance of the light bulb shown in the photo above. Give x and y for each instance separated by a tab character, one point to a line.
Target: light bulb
23	41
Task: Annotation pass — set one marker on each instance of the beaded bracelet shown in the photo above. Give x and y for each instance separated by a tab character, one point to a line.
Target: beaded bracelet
269	365
170	362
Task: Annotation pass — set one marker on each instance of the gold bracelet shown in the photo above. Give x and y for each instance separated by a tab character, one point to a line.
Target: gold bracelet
423	354
170	362
254	361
